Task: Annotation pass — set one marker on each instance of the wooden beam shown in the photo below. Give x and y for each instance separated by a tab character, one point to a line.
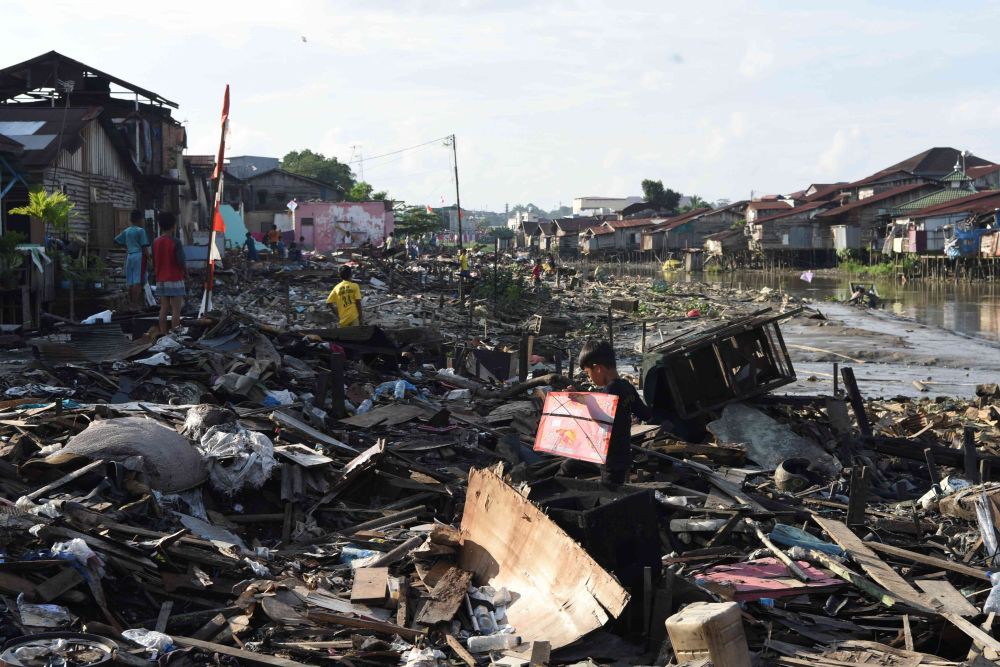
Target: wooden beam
932	561
248	656
365	624
875	567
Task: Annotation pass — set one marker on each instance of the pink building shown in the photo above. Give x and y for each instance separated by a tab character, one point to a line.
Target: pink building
331	225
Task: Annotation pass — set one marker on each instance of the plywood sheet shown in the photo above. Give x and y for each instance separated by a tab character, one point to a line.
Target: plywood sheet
559	592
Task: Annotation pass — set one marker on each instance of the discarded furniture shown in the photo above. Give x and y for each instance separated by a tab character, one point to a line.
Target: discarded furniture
703	370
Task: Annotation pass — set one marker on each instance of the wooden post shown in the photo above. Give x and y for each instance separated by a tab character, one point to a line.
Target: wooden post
611	329
338	395
858	496
642	375
522	356
836	388
971	456
569	352
932	470
857	403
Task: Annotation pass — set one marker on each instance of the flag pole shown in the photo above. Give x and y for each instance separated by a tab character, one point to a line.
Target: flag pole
218	224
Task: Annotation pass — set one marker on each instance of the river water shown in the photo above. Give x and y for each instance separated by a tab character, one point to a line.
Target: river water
971	309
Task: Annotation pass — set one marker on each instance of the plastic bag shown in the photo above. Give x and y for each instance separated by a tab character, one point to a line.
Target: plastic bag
156	641
237	458
993	600
76	549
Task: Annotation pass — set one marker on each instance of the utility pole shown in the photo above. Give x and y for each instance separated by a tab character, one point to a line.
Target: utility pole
458	200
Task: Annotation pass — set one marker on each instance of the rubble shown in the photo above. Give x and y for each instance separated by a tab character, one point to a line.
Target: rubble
274	490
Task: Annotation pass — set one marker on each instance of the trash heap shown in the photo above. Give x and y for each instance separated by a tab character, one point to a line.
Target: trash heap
263	488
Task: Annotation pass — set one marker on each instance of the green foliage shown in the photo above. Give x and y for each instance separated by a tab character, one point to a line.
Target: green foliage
696	202
664	199
511	288
320	167
490	233
849	264
11	260
54	209
361	191
416	220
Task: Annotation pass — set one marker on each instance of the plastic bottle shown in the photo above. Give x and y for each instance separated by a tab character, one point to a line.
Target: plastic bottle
487	624
497	642
365	407
400	390
993	601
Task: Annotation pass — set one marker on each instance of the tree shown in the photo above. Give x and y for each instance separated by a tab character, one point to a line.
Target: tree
664	199
320	167
54	209
694	201
360	192
417	220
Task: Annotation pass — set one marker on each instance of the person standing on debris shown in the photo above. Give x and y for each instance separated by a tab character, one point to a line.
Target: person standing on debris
294	252
389	244
597	360
136	244
346	297
463	263
171	272
536	273
251	246
273	237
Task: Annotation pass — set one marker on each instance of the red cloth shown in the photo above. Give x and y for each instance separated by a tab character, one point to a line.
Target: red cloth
168	269
218	223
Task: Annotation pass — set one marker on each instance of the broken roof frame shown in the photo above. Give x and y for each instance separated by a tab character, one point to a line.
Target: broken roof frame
17	80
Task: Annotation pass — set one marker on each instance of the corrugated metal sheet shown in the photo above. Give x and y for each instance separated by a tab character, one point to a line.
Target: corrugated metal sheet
94	343
101	156
72	160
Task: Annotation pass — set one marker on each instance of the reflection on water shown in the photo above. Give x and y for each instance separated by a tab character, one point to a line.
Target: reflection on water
968	308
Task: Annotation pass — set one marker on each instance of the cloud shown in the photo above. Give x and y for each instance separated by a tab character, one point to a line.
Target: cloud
831	160
756	60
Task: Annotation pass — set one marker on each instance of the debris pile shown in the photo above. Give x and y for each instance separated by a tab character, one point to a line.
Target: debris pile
261	487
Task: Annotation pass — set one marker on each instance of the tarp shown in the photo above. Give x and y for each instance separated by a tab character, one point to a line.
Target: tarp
167	458
577	425
236	229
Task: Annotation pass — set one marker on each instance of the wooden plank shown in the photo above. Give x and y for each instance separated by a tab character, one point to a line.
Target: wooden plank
540	653
370	585
459	650
509	542
445	597
55	586
164	618
942	591
248	656
933	561
873	565
977	634
907	633
365	624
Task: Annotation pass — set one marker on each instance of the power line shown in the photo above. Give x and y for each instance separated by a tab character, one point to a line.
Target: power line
401	150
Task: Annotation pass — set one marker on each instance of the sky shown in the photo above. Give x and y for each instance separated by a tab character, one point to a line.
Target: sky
553	100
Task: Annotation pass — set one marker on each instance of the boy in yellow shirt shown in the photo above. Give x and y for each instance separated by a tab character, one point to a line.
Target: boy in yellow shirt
346	297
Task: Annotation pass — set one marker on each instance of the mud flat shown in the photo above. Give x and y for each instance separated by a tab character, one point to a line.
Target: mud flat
888	353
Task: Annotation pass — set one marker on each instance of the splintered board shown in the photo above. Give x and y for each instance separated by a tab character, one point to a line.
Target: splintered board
370	585
559	593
